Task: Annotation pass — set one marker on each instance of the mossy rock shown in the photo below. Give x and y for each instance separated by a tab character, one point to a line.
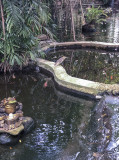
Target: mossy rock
11	137
28	124
88	28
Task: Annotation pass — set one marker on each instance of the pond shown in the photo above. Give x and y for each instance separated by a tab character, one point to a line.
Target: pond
65	126
60	120
94	65
105	32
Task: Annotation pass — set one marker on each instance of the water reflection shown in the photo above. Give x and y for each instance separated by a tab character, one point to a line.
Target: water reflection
66	128
113	31
113	147
94	65
105	32
60	120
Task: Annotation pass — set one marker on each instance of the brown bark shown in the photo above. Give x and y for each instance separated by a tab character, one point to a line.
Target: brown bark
83	19
72	19
3	21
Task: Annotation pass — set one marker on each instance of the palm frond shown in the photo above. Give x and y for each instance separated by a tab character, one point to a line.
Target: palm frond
24	20
14	19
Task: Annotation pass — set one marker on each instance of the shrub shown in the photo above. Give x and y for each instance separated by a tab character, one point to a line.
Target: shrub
21	21
96	15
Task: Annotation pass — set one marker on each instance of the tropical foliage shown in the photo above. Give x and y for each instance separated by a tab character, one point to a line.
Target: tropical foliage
21	21
96	15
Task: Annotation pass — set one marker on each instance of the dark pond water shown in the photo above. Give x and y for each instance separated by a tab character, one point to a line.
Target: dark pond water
64	125
105	32
60	121
94	65
99	66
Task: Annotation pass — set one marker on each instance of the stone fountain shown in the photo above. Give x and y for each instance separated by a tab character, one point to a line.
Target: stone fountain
12	122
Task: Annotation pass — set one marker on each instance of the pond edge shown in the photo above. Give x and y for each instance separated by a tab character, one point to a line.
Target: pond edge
75	85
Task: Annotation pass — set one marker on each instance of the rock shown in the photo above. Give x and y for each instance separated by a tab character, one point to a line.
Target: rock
88	28
42	37
11	137
100	126
13	132
7	139
28	124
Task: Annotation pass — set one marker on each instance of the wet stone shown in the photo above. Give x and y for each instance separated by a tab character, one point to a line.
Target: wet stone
12	122
100	126
7	139
28	124
12	136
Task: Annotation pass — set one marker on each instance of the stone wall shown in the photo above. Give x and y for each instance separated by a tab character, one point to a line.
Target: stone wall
76	85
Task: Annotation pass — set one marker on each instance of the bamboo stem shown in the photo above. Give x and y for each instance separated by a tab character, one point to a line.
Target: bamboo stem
83	19
72	18
3	21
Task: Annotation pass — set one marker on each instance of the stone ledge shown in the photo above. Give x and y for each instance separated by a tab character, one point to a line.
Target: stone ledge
76	84
15	131
82	44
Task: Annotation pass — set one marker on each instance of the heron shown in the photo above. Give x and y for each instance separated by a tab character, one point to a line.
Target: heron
60	60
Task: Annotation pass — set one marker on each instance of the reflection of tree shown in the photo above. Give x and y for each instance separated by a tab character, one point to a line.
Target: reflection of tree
113	30
92	65
55	117
67	17
108	31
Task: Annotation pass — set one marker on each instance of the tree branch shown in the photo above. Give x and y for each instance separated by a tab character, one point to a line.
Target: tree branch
83	19
2	15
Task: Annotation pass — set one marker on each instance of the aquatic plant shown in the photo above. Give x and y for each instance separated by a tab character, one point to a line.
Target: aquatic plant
21	22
